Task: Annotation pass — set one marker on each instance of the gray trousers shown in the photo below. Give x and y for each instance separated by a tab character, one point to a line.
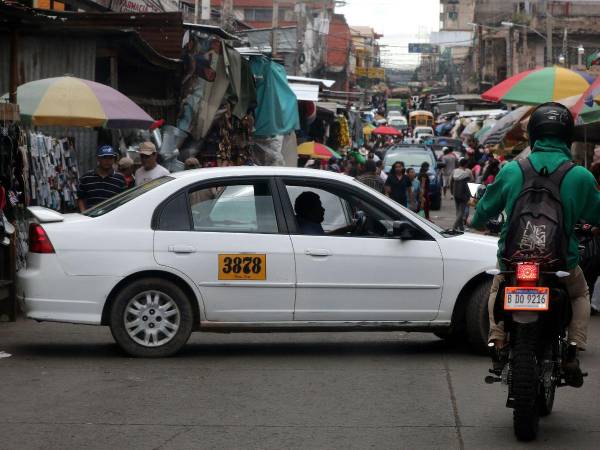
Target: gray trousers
461	206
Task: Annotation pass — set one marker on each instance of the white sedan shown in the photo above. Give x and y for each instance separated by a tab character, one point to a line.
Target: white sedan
253	249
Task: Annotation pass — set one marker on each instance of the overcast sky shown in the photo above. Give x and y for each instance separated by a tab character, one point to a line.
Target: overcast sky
401	22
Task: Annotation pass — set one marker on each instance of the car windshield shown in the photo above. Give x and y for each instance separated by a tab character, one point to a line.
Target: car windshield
124	197
410	158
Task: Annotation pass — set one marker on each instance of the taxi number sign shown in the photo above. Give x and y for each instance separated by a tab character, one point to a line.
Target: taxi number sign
243	266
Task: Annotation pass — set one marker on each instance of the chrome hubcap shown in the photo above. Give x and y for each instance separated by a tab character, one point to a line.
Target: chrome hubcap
152	318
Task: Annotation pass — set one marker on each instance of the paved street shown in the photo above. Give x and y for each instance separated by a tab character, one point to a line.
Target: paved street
69	387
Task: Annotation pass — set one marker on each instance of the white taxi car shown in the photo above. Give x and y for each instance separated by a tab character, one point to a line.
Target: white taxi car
253	249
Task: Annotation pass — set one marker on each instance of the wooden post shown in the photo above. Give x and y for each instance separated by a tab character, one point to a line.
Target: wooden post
114	72
14	66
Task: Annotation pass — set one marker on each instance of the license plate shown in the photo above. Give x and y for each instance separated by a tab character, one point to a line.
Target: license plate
526	299
242	266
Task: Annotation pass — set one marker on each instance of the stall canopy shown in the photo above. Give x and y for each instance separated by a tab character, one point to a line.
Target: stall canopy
308	88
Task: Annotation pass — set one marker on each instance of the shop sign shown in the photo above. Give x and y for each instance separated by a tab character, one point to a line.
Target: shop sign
139	6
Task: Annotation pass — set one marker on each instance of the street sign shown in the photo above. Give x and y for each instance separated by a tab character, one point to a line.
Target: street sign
377	73
423	48
370	72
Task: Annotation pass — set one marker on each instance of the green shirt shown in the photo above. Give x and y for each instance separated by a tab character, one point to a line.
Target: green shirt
579	194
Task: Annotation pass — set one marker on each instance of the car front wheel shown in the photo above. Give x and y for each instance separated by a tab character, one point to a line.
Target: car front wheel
477	319
151	318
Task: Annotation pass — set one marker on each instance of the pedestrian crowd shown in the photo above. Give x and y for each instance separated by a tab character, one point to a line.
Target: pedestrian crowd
113	176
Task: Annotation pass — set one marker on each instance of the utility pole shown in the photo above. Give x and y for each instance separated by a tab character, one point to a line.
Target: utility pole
274	26
509	60
515	54
565	48
302	20
549	56
205	10
226	13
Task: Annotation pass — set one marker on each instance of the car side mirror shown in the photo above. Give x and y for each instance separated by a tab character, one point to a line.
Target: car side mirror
402	230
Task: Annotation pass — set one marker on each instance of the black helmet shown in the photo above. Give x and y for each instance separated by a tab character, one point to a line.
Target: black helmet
551	120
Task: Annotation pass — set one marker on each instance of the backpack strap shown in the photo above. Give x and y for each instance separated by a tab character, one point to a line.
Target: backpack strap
559	174
529	172
555	177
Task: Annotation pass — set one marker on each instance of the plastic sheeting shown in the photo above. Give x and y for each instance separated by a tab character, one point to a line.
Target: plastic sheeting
277	110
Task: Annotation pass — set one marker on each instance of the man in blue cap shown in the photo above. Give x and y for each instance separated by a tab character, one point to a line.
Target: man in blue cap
102	183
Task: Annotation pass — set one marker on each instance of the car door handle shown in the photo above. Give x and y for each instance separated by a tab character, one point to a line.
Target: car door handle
317	252
181	249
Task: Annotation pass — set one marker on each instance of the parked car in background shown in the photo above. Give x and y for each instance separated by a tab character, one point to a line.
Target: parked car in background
398	122
418	132
437	144
413	156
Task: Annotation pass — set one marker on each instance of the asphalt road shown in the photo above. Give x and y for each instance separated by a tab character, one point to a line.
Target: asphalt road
69	387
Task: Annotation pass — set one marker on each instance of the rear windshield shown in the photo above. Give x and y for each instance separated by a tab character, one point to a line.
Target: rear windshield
124	197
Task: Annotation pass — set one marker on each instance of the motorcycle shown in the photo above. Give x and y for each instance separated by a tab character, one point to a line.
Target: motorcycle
536	311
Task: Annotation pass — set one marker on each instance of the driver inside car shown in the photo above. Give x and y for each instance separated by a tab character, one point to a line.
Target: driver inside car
310	213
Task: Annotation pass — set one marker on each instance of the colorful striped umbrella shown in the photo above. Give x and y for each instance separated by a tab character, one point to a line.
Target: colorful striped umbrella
317	150
387	131
69	101
586	110
537	86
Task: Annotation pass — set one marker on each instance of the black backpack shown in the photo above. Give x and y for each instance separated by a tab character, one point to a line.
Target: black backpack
536	225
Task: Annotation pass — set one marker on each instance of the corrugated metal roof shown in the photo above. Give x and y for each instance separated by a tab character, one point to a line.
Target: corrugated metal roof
162	31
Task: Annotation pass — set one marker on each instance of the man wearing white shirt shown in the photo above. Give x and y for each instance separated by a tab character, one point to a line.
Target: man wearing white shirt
150	169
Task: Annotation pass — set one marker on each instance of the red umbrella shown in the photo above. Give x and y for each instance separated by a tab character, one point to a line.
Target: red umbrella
389	131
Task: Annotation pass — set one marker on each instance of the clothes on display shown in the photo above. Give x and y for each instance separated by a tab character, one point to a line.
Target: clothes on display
54	174
277	110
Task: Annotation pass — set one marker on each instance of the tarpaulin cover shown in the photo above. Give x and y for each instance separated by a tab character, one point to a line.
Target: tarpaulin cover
277	110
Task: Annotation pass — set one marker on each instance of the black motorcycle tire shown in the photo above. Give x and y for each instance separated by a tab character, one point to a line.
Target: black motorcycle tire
525	382
547	393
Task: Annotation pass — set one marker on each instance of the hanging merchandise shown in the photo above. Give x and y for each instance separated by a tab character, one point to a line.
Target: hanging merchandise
53	172
344	132
277	110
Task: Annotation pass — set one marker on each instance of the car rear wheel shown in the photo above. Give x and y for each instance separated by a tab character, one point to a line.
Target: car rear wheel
151	318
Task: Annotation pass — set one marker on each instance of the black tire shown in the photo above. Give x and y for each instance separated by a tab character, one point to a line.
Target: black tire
180	333
477	319
547	390
525	383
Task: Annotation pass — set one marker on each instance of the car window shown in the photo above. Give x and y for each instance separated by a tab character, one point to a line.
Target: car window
344	214
124	197
410	159
336	209
174	215
239	208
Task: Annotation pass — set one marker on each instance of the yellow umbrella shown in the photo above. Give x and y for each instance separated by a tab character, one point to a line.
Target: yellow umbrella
316	150
368	129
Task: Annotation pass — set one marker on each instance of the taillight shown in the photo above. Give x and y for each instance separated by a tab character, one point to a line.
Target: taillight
528	272
38	240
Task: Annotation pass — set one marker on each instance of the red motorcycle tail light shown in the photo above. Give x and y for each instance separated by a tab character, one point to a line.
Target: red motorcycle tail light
528	272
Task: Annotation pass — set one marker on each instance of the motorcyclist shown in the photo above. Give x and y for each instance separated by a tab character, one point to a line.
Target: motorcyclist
550	132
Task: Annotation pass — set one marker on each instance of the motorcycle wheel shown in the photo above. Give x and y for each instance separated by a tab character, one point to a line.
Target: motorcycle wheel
525	383
547	389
